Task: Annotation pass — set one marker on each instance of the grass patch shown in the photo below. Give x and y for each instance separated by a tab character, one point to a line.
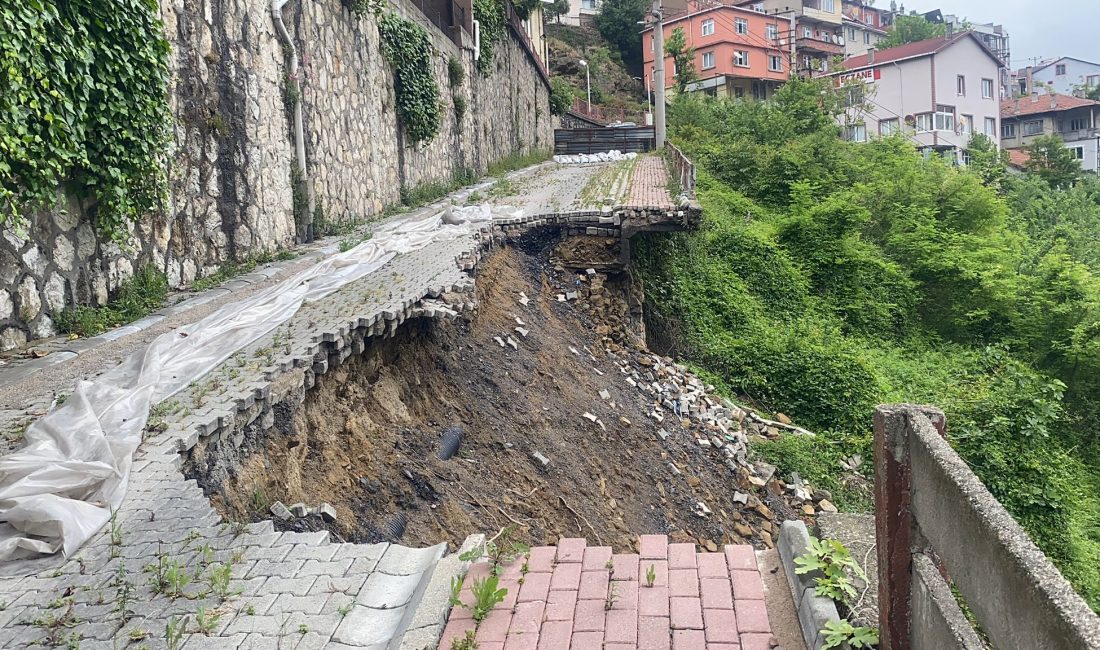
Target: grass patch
518	160
135	299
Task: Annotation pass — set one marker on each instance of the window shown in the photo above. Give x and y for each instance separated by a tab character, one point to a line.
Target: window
772	32
807	32
1008	130
1060	69
924	122
888	127
945	118
855	133
738	92
853	96
851	33
741	58
708	27
1078	152
1078	124
742	26
987	89
960	85
775	63
866	38
991	127
1033	127
828	5
967	124
1092	80
708	60
588	4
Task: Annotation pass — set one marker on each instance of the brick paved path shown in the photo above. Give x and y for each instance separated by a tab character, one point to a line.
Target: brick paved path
576	597
649	186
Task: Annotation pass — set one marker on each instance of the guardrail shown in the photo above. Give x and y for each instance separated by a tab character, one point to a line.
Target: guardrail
936	522
681	168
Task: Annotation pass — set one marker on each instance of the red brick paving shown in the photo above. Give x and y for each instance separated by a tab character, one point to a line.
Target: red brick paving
566	598
649	188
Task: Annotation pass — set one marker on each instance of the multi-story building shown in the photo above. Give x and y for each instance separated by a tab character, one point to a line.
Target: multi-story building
937	92
581	12
813	35
736	51
1064	76
994	36
859	37
1075	120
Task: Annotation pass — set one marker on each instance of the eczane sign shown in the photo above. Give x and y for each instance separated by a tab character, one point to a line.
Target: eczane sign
867	76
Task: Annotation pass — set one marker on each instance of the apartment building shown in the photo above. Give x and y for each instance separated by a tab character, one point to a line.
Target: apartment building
864	26
937	92
813	35
1075	120
736	51
1064	76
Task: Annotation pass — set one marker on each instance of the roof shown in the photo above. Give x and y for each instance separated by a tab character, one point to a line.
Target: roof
1038	104
862	25
1018	158
1050	62
915	50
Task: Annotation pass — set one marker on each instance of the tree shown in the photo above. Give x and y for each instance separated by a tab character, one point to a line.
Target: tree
683	57
561	96
1050	160
556	9
618	24
987	160
912	28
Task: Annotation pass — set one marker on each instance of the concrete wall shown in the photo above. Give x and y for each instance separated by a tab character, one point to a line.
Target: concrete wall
928	498
230	165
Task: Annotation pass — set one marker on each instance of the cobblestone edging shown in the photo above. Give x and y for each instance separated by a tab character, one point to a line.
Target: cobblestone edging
813	611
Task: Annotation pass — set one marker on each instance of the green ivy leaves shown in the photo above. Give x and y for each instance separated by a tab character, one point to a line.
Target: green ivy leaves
490	17
83	105
409	50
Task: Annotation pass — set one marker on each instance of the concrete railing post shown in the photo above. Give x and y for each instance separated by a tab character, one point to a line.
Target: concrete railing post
894	524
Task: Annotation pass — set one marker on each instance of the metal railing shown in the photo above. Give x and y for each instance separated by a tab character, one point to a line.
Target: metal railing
605	114
681	168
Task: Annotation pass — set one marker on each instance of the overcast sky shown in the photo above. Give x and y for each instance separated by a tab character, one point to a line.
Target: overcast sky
1037	28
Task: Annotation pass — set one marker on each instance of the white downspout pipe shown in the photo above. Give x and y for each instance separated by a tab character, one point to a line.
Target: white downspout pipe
306	233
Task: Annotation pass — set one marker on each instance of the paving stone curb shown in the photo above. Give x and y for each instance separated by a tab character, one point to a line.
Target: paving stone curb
813	611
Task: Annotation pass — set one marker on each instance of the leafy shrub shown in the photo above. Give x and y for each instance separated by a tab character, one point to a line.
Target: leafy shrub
408	49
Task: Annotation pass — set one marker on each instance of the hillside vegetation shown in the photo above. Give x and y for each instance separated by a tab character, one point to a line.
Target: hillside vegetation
830	277
612	84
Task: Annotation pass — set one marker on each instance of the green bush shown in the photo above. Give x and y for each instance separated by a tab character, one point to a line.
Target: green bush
135	299
830	276
408	49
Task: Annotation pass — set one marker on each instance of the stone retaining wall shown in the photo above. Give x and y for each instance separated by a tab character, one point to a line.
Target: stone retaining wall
231	192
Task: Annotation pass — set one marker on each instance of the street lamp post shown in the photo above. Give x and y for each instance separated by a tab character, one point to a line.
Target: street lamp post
648	98
588	83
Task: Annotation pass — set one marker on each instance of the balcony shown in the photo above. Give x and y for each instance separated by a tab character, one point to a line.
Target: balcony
1080	134
823	16
809	44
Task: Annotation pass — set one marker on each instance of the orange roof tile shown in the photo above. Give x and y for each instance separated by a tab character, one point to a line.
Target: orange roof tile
1043	104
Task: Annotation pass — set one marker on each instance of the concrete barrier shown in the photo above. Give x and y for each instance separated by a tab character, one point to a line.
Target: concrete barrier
937	525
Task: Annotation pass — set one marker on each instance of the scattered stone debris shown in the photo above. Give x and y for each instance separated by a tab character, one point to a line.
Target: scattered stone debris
280	511
523	332
512	342
327	512
499	341
543	461
299	509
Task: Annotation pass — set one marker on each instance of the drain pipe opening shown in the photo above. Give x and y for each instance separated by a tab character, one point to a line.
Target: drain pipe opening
305	225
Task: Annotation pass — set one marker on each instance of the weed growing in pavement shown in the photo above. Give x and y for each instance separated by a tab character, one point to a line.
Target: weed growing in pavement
650	575
250	610
220	575
206	620
137	634
55	625
303	628
173	632
612	596
169	577
124	594
134	300
344	610
837	568
486	596
502	548
116	535
468	642
456	591
842	634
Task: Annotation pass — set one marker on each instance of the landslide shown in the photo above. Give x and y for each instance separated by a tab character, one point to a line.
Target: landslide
365	439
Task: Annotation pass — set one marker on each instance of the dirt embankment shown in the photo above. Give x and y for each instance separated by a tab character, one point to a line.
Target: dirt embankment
366	437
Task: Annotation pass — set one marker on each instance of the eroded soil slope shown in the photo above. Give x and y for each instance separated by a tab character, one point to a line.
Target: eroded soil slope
366	437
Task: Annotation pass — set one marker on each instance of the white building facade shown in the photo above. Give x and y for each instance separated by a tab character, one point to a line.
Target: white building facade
938	93
1062	76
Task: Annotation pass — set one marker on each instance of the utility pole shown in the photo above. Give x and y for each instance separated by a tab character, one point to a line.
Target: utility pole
658	76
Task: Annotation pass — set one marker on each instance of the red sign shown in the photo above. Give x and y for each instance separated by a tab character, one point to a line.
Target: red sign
867	76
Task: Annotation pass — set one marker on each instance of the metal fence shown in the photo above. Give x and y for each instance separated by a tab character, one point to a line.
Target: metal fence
625	139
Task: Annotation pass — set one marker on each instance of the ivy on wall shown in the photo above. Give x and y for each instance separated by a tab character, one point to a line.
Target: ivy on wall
83	105
408	49
490	18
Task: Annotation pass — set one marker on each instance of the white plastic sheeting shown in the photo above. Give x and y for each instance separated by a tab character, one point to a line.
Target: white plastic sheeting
61	487
583	158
